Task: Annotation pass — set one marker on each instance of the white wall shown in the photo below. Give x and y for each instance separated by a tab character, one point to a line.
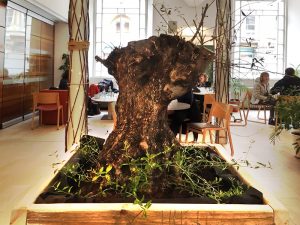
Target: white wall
60	47
293	32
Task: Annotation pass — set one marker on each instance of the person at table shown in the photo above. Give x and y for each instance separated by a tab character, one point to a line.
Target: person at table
288	85
261	94
197	107
203	81
178	116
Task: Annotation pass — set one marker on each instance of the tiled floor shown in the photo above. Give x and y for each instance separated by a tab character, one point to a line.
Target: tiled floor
26	158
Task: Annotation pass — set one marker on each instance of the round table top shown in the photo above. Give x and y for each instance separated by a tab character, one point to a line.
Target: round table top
175	105
105	98
203	91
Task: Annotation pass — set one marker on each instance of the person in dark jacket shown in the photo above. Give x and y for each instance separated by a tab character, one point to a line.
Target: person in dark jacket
178	116
288	85
63	84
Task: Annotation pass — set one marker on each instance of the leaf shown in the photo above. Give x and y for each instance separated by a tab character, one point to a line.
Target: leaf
109	168
95	178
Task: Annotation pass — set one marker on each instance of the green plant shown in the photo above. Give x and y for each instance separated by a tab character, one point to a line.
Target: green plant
297	69
237	87
288	110
182	172
66	63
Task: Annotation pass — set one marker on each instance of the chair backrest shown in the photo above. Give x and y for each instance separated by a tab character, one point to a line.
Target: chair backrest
248	95
221	112
45	98
208	100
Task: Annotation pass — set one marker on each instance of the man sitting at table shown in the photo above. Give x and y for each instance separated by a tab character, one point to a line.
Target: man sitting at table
288	85
178	116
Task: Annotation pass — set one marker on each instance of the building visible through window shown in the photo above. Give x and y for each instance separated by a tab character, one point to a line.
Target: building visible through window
117	23
259	38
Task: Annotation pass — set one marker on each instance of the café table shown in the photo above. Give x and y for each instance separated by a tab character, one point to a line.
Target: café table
111	99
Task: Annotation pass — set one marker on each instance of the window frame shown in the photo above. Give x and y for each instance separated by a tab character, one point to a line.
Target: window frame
145	28
236	49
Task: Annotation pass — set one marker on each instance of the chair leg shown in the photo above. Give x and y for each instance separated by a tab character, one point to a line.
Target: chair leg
265	114
203	135
41	118
230	142
180	132
32	122
187	134
62	116
245	119
258	113
58	112
210	136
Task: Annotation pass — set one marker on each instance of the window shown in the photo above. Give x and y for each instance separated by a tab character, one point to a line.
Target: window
117	23
259	38
250	22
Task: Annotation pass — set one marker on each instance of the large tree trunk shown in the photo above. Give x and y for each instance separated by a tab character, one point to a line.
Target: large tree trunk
150	74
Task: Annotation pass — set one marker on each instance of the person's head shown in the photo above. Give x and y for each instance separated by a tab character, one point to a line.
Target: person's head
264	77
289	71
202	78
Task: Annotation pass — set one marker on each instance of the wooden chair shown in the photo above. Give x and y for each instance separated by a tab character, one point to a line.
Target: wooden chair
259	107
47	101
236	105
209	99
221	113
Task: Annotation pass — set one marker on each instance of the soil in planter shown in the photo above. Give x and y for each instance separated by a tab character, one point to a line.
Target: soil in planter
193	175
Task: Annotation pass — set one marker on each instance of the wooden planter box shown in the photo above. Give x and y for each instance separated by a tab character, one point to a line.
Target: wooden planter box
184	214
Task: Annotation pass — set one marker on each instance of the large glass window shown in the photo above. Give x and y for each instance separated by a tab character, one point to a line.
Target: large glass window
117	23
259	38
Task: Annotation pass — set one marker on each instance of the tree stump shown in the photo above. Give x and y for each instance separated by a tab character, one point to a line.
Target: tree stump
150	74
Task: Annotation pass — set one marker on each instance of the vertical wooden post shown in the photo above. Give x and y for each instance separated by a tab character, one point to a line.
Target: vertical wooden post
223	50
78	47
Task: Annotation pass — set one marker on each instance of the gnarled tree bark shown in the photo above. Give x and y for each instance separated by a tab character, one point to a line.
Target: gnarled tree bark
150	74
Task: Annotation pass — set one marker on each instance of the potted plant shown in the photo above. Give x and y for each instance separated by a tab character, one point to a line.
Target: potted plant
66	63
288	117
237	88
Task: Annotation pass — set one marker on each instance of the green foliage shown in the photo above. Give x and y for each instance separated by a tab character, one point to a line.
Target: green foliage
182	171
237	87
66	63
289	117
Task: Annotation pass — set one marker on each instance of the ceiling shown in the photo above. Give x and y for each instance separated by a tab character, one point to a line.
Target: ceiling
193	3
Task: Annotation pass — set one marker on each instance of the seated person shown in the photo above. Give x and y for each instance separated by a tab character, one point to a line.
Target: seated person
199	99
63	84
288	85
203	81
260	94
193	114
93	89
178	116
